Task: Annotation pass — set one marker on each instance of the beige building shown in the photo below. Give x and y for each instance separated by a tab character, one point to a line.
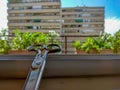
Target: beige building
73	23
79	23
34	15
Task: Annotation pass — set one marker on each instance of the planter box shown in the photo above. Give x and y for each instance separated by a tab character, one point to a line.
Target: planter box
21	52
106	51
61	65
83	52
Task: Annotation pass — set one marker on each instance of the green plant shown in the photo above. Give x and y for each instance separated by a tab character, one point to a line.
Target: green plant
76	45
116	42
4	46
104	41
41	38
4	42
23	40
90	44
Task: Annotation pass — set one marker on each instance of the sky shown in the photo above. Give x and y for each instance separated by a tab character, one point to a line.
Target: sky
112	11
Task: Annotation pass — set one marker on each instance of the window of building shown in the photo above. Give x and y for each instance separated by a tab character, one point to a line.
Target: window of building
86	15
16	8
36	14
12	15
21	15
79	25
79	15
87	31
37	20
78	10
63	10
29	7
29	27
36	7
86	20
85	25
29	14
29	21
79	20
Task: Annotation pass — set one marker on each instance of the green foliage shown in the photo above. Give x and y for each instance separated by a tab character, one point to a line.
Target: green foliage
4	43
104	41
4	46
90	44
23	40
77	45
116	42
41	38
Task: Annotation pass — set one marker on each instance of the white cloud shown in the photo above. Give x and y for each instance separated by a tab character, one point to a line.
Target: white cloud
112	25
3	14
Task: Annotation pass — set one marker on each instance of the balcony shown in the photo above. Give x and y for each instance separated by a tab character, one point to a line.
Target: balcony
80	22
34	24
32	17
33	10
83	17
37	30
63	72
83	12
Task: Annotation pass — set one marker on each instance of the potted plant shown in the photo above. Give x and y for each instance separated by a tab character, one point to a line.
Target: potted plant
105	43
4	42
41	39
4	46
20	42
116	42
77	46
90	46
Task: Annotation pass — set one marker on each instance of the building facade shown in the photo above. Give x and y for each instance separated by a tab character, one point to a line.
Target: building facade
34	15
79	23
72	23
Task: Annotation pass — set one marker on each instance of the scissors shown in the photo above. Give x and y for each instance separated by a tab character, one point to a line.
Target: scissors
37	67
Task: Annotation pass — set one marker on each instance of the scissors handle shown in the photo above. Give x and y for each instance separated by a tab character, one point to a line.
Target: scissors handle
51	48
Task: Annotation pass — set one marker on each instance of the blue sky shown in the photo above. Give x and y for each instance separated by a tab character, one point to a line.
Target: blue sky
112	11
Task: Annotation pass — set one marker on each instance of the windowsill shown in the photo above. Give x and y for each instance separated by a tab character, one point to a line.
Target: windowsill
17	66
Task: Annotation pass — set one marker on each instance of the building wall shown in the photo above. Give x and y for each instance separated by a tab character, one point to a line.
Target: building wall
78	22
34	15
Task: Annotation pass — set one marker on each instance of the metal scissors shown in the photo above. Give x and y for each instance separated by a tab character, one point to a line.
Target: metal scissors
36	70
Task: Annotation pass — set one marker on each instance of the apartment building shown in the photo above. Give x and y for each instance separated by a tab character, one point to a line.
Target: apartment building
34	15
79	23
73	23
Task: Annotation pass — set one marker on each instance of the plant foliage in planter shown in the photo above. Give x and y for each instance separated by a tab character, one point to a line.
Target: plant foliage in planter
4	42
21	41
77	46
90	46
104	44
116	42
